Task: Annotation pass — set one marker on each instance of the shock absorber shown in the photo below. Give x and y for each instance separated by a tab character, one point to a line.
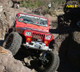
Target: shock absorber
43	58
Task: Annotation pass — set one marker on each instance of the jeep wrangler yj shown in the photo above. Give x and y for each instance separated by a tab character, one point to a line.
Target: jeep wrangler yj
32	32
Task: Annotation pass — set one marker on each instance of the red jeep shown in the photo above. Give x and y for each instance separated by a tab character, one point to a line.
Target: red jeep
32	32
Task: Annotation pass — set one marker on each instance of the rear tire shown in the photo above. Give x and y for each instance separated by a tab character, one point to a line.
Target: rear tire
13	42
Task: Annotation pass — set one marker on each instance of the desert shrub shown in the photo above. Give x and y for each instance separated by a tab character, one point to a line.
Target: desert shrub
32	4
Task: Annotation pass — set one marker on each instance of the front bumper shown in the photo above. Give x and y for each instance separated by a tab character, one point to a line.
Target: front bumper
37	45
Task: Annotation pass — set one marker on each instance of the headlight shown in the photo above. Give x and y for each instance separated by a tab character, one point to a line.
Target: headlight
28	33
48	37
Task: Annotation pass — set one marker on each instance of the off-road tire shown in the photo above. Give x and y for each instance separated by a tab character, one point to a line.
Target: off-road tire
15	43
54	63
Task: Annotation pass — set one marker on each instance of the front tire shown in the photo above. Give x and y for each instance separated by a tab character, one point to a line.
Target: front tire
52	65
13	42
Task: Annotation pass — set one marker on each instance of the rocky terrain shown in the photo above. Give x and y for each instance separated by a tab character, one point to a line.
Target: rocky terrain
7	16
68	44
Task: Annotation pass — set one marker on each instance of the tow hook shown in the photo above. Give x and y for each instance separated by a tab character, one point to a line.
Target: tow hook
43	58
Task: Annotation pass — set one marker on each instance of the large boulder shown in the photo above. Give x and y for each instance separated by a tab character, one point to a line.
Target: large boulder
9	64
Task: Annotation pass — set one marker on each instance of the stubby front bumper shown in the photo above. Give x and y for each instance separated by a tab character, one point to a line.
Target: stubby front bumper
37	45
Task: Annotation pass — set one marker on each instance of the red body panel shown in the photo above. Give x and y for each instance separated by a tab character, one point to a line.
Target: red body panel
23	25
38	30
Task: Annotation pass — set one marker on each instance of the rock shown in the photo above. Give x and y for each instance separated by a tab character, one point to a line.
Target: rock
16	5
59	40
1	8
76	36
9	64
10	3
1	28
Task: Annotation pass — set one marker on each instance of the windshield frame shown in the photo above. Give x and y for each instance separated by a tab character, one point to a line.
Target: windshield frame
34	16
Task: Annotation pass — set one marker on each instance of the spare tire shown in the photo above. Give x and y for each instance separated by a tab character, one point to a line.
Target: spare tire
13	42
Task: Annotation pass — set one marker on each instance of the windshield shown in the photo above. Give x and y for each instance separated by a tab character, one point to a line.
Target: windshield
33	20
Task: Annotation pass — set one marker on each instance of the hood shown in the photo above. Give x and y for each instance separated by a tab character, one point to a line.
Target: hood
32	27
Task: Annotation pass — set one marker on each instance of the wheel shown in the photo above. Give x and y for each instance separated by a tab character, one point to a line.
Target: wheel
13	42
49	64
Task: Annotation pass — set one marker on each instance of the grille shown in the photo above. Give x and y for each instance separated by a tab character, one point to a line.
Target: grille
36	36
